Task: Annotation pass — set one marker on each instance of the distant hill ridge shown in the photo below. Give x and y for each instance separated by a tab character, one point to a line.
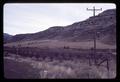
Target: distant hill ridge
104	23
7	37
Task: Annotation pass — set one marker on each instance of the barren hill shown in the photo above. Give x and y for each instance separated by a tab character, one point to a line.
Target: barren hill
104	24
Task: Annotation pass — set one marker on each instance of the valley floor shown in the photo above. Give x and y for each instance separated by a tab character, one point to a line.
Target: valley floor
60	44
16	66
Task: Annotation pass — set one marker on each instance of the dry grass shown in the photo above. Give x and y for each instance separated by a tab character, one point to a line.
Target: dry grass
46	68
59	44
58	69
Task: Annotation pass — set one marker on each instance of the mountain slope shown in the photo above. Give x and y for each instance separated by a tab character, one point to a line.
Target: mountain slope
104	23
7	37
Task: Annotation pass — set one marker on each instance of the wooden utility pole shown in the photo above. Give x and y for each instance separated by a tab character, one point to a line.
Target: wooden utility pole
94	10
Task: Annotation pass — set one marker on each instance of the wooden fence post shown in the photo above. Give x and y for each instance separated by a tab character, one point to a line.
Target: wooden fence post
108	67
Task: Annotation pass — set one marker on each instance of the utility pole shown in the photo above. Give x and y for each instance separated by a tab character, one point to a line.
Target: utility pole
94	10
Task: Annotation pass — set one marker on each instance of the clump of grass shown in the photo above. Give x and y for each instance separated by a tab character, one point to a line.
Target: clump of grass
87	73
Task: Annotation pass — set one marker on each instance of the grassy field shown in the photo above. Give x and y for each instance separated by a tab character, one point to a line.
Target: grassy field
19	67
59	44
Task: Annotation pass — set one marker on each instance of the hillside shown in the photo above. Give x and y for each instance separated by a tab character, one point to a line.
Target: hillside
104	23
7	37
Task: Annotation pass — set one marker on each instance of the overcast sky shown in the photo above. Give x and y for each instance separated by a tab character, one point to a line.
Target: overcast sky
31	18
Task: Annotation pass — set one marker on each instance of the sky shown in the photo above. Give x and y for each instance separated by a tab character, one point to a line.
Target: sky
21	18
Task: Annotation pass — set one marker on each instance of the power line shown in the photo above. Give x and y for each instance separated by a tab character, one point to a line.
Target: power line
94	10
